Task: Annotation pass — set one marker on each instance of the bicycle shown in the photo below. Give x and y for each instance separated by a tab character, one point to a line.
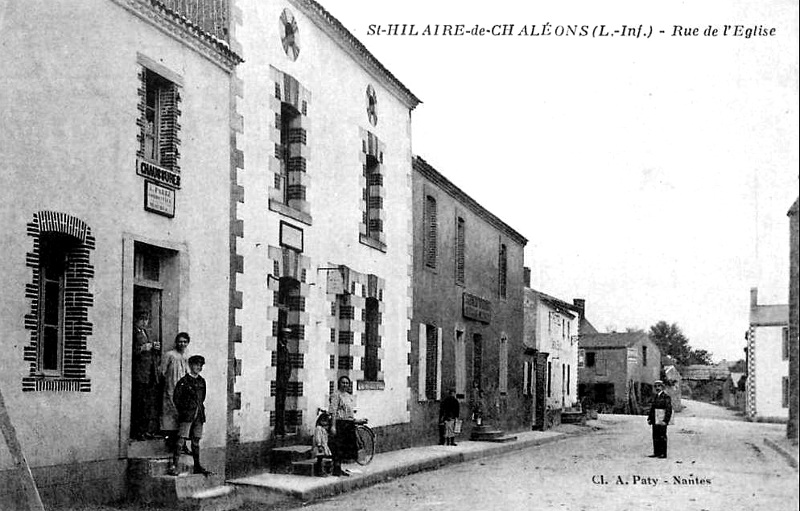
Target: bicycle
365	441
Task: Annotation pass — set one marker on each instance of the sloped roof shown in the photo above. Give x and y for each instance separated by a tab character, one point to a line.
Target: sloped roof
612	340
567	309
769	315
434	176
586	327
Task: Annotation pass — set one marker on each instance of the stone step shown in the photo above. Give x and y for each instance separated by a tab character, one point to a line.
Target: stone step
158	465
573	418
281	458
308	467
485	434
218	498
149	482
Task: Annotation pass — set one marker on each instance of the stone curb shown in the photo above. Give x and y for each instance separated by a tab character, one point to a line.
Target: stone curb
790	458
363	481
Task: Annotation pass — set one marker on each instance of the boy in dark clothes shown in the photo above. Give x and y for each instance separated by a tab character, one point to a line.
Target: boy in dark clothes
189	394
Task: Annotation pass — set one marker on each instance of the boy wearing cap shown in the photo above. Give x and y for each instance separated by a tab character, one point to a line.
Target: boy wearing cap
189	394
659	416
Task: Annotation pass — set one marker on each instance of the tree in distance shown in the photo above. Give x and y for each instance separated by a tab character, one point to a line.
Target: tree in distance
672	342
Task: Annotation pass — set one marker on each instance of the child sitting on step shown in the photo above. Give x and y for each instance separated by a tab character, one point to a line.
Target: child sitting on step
320	443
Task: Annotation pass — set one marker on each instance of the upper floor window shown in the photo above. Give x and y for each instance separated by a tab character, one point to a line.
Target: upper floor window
644	355
159	125
431	232
590	360
372	222
290	135
502	265
460	249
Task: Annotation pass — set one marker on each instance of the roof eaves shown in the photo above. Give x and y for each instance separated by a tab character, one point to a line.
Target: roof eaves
430	173
348	41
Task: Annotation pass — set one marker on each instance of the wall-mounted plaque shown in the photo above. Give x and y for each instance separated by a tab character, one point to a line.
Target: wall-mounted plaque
475	307
159	199
291	237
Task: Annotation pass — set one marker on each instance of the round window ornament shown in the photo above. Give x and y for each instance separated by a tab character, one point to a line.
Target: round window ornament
372	105
289	34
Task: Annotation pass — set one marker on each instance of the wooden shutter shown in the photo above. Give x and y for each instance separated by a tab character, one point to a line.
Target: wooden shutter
168	99
431	232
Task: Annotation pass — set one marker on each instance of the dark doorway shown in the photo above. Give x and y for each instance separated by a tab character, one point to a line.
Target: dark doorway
477	360
287	344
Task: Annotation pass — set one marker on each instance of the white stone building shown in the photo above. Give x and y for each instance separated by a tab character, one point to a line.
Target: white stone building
322	223
115	182
767	387
551	330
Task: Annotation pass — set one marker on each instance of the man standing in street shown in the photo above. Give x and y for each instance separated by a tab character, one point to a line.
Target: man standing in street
659	417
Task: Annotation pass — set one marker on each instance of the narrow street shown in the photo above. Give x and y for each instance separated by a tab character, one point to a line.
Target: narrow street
716	462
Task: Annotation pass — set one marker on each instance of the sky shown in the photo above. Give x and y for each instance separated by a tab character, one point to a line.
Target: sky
650	175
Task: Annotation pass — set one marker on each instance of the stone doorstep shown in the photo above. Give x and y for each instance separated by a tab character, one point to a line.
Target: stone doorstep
282	458
219	498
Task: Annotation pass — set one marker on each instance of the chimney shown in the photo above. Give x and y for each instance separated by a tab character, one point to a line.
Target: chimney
753	297
581	304
526	276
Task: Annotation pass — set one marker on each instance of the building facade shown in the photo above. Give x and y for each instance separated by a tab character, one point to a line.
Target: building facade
467	326
551	341
114	156
767	361
616	371
321	238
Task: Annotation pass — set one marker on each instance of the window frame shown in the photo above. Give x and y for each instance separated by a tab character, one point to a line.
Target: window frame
430	232
63	253
460	259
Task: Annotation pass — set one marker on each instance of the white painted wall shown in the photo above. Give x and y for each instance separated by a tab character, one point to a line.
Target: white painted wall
336	111
770	369
68	93
563	351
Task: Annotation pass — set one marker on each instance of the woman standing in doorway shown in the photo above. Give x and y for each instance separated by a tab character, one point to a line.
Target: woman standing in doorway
174	366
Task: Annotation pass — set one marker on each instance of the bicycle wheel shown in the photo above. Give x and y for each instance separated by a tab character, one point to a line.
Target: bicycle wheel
365	439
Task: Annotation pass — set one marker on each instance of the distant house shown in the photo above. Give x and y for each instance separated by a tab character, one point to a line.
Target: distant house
705	382
551	338
733	390
672	378
767	361
617	370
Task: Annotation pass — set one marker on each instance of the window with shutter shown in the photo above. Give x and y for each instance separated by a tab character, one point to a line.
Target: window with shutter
460	248
502	266
431	232
160	120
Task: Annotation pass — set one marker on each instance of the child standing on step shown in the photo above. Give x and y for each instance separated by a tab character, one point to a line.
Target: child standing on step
320	443
189	395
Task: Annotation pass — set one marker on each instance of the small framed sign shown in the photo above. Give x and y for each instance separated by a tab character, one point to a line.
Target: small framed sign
159	199
291	237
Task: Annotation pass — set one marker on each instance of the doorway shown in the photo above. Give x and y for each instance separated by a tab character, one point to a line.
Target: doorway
287	346
154	316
